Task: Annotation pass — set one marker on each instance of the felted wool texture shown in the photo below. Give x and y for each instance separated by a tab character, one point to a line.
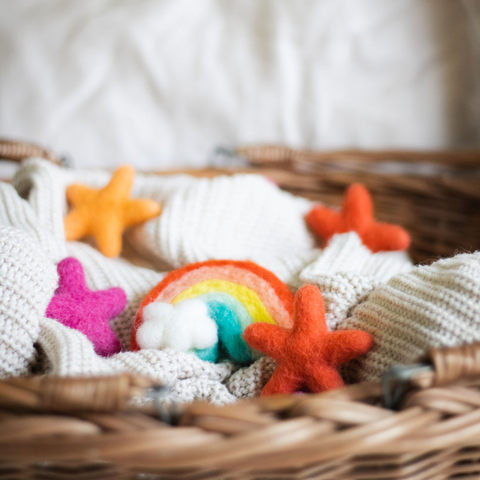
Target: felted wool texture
248	382
71	354
181	327
346	272
102	273
105	213
230	332
27	282
430	306
307	355
78	307
234	307
236	294
273	293
230	318
213	329
357	215
240	217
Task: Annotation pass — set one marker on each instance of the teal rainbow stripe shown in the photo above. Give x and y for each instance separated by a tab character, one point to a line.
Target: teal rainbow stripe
231	318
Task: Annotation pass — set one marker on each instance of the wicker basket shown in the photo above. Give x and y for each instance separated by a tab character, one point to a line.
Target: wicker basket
88	429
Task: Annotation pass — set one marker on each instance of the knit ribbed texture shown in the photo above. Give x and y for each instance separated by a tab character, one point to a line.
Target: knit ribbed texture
70	353
240	217
18	213
27	282
346	253
249	381
431	306
346	272
288	268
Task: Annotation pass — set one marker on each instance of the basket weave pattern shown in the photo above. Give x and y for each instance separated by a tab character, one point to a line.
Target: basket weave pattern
341	434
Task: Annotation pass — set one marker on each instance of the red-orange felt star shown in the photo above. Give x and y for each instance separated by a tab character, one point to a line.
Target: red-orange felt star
308	355
357	215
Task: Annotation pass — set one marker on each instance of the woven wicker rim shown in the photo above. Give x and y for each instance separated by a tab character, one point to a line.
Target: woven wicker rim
271	432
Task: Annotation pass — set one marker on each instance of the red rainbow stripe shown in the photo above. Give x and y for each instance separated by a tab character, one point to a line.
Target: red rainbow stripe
274	294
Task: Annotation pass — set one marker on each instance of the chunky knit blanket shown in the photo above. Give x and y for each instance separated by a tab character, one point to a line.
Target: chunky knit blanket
243	217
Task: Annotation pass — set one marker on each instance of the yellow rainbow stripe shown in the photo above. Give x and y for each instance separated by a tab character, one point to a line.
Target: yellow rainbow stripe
246	296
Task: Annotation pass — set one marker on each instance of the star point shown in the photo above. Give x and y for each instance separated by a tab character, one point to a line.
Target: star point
357	215
308	355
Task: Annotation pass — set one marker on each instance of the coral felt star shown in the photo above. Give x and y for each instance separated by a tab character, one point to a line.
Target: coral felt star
357	215
308	355
105	213
76	306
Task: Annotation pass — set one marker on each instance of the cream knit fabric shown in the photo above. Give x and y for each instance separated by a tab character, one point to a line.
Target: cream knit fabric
27	282
431	306
70	353
248	382
241	217
346	272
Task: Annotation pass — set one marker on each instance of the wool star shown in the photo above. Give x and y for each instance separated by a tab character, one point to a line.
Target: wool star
105	213
308	355
76	306
357	215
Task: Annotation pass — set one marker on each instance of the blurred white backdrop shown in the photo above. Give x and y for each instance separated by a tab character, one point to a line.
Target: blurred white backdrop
160	83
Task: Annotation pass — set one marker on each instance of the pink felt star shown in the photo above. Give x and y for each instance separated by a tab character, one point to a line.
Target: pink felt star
78	307
308	355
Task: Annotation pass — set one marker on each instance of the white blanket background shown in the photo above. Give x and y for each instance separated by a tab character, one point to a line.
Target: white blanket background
160	83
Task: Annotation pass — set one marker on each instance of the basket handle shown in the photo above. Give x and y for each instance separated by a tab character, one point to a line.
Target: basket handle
309	160
452	364
63	394
16	151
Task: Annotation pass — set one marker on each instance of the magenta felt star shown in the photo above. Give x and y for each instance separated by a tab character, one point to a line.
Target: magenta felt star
78	307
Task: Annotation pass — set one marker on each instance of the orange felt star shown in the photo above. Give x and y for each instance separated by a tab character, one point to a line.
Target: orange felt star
105	213
357	215
308	355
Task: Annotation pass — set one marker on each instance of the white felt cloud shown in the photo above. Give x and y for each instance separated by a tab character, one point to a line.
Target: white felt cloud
180	327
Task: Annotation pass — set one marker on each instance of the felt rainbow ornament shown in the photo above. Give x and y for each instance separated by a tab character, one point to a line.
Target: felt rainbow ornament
205	307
